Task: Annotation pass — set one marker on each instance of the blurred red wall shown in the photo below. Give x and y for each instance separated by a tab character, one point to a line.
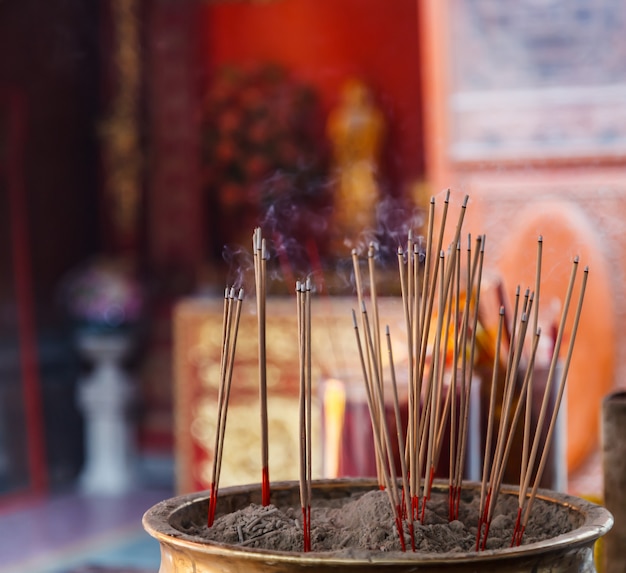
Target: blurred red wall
325	42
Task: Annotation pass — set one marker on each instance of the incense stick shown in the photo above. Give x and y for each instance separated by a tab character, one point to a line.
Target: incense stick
549	383
226	324
309	397
302	411
230	330
377	350
260	262
497	483
453	387
419	341
435	366
303	305
529	390
490	421
463	345
407	451
370	387
476	278
398	420
559	397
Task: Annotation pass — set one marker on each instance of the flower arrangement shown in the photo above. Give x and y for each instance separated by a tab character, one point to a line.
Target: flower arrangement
103	295
260	147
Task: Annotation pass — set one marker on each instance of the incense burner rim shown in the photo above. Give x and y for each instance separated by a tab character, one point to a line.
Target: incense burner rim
596	521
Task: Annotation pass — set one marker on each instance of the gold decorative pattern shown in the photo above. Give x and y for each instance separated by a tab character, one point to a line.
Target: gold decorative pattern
241	464
119	131
198	328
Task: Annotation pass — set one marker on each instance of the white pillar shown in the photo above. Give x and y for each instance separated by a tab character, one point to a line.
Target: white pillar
105	397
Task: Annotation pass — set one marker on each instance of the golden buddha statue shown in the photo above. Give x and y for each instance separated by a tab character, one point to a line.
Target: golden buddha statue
355	129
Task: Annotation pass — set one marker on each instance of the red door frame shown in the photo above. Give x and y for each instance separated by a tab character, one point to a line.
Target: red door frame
14	102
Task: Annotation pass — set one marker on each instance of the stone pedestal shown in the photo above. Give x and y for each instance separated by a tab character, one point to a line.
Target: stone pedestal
105	398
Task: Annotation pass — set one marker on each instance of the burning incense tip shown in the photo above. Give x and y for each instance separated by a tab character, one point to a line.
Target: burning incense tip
465	201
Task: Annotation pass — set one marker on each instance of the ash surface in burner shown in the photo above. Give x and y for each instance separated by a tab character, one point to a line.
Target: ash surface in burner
363	523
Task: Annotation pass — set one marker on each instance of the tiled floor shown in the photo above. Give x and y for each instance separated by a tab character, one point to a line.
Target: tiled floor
76	533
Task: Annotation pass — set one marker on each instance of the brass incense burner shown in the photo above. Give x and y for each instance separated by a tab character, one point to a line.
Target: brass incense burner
565	553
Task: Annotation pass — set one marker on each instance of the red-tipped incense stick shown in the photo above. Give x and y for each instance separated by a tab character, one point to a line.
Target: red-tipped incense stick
260	262
230	329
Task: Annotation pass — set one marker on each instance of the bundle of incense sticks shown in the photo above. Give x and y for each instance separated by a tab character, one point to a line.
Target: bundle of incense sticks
441	296
230	328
